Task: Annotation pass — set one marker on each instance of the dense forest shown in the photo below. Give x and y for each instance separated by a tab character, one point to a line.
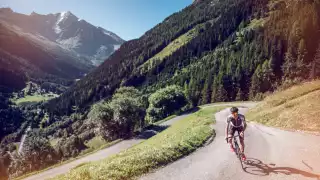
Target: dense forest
243	48
10	117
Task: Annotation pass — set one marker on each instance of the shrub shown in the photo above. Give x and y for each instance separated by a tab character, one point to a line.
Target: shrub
101	115
128	113
70	147
165	102
120	117
37	153
87	135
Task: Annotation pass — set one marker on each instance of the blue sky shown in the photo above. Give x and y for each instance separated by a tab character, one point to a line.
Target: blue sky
127	18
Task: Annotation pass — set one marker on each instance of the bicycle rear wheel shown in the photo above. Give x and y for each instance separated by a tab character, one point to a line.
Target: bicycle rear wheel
238	151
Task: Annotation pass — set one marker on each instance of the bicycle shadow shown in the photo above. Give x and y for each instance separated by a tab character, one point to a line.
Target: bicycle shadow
258	168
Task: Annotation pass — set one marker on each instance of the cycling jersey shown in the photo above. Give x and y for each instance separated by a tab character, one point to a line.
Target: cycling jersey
240	122
236	125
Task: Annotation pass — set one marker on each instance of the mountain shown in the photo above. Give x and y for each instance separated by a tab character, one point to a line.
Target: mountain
218	50
24	59
66	31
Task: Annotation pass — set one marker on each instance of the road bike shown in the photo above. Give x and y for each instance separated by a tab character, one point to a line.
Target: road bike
237	147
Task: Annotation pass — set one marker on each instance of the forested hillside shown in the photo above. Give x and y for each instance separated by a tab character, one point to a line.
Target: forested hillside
241	48
10	117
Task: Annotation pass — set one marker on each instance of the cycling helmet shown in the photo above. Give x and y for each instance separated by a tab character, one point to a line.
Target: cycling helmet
234	109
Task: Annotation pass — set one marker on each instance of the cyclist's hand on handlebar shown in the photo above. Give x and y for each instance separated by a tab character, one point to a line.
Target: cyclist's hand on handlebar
242	134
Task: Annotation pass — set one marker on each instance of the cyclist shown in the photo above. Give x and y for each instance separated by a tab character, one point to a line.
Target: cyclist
236	122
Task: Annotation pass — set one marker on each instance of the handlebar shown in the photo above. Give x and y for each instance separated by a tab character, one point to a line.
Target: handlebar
231	137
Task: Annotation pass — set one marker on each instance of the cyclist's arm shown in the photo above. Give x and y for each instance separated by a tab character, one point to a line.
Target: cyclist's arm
244	123
227	127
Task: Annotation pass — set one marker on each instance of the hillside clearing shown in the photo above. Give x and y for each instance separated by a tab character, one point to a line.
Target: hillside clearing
171	48
297	108
35	98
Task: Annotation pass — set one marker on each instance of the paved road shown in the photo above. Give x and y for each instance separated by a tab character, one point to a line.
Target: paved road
23	139
272	154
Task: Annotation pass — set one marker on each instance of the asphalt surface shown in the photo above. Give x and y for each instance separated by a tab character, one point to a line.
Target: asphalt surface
272	154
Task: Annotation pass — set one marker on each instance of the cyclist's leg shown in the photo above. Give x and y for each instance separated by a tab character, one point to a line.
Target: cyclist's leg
241	131
231	132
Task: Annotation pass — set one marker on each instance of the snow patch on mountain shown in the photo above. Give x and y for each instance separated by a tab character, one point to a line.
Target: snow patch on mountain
100	56
115	37
66	31
116	47
101	49
57	28
62	16
70	43
107	32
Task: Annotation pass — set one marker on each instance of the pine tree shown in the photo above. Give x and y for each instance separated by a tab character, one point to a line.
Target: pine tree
256	83
302	67
204	93
213	94
315	65
193	92
289	66
238	96
267	77
207	89
185	87
221	94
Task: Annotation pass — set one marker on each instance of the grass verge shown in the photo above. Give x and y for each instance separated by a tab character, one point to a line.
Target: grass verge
164	120
180	139
297	108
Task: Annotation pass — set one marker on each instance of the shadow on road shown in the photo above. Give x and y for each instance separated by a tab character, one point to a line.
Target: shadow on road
258	168
151	131
190	111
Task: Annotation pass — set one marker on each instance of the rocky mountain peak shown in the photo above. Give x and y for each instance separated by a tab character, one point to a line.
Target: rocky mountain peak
6	10
68	31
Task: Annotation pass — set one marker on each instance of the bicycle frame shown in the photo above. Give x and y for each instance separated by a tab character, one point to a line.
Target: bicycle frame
237	147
